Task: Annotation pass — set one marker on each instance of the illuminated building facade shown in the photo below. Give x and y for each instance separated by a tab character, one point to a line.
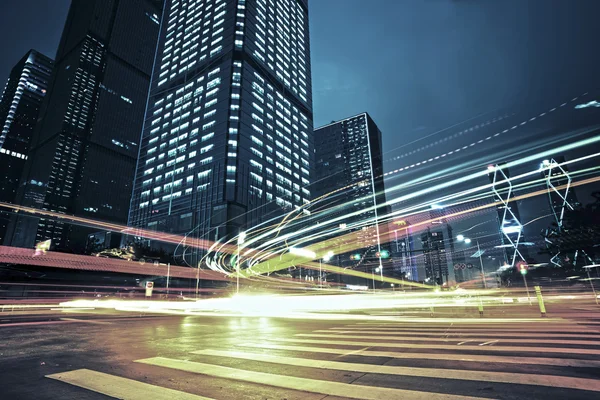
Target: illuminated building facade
227	140
19	110
435	256
84	149
403	252
349	182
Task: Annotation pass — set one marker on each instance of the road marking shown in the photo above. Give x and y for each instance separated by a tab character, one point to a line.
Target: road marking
464	334
121	388
490	342
467	341
469	375
34	323
425	339
560	350
329	388
483	328
560	362
86	321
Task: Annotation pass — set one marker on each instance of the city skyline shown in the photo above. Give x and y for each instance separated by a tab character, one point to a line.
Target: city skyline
471	70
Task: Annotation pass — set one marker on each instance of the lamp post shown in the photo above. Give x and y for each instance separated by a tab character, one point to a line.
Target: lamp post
327	257
240	241
466	240
378	269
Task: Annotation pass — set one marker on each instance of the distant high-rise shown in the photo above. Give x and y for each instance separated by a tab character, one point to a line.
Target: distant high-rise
403	252
435	255
227	140
349	181
19	110
84	149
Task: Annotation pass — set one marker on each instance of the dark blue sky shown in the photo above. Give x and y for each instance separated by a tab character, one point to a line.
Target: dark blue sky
416	66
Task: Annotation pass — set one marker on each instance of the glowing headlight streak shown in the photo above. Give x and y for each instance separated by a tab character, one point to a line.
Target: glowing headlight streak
284	262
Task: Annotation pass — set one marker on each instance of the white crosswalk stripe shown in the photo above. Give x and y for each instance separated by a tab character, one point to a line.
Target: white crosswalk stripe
329	388
500	377
122	388
429	339
472	355
560	362
531	349
464	334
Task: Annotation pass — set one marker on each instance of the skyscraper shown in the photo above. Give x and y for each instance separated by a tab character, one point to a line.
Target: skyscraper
403	252
84	149
434	252
227	140
349	180
19	110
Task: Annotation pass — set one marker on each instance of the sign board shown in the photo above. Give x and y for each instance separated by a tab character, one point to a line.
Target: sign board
149	287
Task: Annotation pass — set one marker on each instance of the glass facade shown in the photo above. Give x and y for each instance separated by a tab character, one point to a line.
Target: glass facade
227	139
19	110
85	147
349	179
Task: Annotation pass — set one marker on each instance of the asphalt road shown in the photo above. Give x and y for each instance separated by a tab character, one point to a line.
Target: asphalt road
103	354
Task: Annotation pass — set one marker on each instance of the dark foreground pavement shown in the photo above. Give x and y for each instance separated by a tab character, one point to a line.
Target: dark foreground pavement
103	354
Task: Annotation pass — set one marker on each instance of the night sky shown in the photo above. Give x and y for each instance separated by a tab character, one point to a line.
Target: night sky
416	66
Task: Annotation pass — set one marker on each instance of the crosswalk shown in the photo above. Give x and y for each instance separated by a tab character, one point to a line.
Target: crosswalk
378	360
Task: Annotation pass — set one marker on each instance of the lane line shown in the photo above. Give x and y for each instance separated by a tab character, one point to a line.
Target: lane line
490	342
121	388
468	375
465	334
329	388
35	323
425	339
559	362
560	350
577	329
86	321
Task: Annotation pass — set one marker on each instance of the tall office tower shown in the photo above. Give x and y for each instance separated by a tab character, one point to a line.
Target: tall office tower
509	219
85	147
434	252
227	141
438	217
19	110
403	252
349	181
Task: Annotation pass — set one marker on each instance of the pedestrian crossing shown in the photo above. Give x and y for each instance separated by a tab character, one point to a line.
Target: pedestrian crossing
377	360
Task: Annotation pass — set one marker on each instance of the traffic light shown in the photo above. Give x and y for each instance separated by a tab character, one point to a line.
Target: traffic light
383	254
522	268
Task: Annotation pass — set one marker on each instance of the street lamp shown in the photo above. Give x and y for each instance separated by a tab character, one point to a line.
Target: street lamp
373	276
327	257
462	238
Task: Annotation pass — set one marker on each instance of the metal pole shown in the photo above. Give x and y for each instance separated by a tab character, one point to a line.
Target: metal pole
168	275
481	265
237	269
320	273
592	284
197	279
526	288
